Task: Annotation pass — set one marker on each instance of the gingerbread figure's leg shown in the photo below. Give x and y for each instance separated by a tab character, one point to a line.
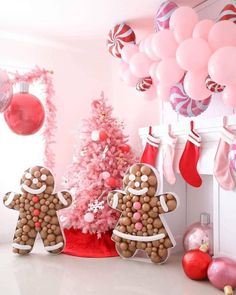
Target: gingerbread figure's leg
52	236
158	251
24	237
125	248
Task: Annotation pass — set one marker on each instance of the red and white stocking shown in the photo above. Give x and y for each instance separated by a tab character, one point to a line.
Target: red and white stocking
150	152
168	160
189	160
222	170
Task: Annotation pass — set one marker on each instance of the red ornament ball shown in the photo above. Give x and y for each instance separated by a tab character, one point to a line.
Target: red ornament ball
111	182
195	264
103	135
125	148
25	115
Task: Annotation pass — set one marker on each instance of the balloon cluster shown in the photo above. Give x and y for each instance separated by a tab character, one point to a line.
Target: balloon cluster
197	55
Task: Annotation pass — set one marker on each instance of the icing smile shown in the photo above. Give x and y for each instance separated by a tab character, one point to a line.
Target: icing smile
138	192
34	191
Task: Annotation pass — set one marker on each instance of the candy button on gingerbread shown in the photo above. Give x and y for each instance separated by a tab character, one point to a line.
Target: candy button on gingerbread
140	226
38	207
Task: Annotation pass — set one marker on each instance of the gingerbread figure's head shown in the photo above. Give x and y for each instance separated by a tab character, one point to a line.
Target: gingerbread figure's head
37	180
141	179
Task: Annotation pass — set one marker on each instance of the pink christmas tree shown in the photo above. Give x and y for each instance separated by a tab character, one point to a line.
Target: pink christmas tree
99	163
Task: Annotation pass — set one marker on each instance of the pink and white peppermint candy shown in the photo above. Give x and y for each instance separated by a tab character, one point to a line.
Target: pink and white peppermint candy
213	86
184	105
120	35
228	13
162	17
144	84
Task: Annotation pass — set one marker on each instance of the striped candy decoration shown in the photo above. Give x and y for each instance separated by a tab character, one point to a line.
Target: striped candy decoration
184	105
162	17
144	84
232	157
213	86
228	13
120	35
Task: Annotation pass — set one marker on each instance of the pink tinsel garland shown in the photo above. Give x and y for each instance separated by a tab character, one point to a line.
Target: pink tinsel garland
45	78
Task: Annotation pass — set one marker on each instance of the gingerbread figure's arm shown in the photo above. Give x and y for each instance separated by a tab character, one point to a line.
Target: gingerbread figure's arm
115	199
12	200
65	199
167	202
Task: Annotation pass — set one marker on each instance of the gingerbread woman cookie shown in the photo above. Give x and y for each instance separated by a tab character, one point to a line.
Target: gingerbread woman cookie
37	205
141	226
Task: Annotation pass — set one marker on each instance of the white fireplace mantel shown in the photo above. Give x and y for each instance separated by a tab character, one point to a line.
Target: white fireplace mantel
210	197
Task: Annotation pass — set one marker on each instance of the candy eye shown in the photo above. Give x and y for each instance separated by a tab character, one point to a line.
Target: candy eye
132	177
43	177
28	176
144	178
35	181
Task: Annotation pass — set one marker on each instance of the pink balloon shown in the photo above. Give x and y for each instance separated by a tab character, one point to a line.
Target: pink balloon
139	65
150	94
164	44
221	66
203	28
141	45
148	48
152	70
222	272
129	78
229	96
222	34
182	22
168	72
128	51
194	85
163	92
122	68
193	54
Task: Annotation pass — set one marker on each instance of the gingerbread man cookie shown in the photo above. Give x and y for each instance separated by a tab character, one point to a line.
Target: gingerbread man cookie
141	226
38	207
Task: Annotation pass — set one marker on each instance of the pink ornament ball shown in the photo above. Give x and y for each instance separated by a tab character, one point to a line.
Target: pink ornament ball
144	84
89	217
222	272
184	105
162	17
111	182
119	36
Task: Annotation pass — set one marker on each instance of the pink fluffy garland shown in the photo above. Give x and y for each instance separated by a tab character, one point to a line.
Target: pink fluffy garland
44	76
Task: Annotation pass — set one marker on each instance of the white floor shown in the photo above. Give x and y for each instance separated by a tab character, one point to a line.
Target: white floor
42	274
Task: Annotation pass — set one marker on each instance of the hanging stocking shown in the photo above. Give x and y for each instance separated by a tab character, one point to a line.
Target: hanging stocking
151	149
222	163
168	160
189	159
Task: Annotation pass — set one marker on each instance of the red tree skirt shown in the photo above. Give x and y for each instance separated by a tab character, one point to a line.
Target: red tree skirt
87	245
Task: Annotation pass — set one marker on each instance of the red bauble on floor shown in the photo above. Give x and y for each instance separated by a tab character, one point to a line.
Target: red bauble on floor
87	245
195	264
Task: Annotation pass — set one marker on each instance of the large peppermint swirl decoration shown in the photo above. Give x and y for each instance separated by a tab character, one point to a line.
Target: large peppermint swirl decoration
232	157
184	105
213	86
120	35
144	84
228	13
162	17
